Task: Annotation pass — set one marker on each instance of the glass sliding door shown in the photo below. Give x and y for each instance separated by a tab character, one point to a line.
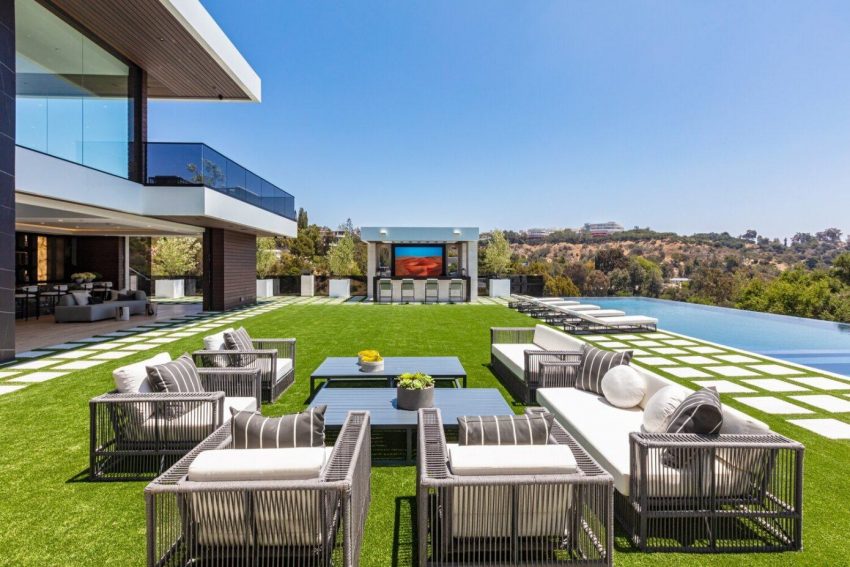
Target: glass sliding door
73	96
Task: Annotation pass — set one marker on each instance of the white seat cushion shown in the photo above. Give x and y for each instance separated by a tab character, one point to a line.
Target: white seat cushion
222	465
548	338
491	460
133	378
194	424
284	365
513	356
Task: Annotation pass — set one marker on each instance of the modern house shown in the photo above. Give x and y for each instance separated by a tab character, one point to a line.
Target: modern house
603	228
78	176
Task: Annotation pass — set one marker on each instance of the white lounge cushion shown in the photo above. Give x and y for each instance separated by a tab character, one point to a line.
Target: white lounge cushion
661	406
486	511
513	356
625	321
600	428
623	386
284	365
223	465
491	460
216	342
133	378
548	338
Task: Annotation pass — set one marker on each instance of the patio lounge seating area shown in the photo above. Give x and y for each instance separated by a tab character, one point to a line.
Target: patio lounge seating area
50	418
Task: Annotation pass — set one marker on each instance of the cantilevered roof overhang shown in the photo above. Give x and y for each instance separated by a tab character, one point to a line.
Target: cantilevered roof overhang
178	43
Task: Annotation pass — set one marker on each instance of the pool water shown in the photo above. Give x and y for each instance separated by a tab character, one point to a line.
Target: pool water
820	344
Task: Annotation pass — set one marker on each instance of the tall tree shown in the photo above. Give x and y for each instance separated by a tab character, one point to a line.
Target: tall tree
497	255
303	221
175	256
267	256
341	258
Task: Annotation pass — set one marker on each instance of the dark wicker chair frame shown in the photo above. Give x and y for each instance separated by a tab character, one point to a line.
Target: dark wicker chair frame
585	536
524	388
758	509
333	507
581	326
264	357
121	449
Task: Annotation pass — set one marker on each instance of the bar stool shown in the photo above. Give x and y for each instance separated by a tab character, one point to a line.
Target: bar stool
385	290
407	292
432	291
456	291
53	295
25	295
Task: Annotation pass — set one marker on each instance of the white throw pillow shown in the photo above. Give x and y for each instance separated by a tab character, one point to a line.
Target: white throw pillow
623	386
216	342
133	378
661	406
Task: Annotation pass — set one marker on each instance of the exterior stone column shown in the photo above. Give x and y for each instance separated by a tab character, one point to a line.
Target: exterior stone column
230	269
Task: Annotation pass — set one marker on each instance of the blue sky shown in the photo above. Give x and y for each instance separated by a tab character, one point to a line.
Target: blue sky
683	116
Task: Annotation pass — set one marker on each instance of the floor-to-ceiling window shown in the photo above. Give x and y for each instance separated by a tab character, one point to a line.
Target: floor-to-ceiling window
73	96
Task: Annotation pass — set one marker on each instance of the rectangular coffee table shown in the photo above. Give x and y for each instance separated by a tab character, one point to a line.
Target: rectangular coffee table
381	404
336	368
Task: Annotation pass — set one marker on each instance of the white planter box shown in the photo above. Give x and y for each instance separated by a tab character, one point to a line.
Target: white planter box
308	286
170	289
339	288
500	288
265	288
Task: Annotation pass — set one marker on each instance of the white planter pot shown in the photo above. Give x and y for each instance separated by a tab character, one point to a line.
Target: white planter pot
308	286
339	288
169	288
500	288
265	288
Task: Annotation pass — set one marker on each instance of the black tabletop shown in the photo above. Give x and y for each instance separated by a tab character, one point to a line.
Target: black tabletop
436	366
380	402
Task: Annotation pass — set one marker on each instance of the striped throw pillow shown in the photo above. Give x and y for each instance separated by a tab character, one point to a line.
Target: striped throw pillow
595	363
250	430
505	429
239	340
180	375
700	413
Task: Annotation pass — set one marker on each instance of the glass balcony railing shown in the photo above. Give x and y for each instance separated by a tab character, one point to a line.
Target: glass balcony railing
196	164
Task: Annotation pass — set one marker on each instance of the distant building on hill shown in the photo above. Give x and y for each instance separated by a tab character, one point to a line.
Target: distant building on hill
602	228
538	233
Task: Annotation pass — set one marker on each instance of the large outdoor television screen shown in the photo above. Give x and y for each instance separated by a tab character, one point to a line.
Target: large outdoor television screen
418	261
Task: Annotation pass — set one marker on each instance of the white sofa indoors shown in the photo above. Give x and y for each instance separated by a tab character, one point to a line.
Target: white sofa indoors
516	353
740	473
274	357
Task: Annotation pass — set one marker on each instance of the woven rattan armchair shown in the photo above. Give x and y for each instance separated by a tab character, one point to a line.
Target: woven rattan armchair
558	519
269	356
133	436
272	523
742	493
524	388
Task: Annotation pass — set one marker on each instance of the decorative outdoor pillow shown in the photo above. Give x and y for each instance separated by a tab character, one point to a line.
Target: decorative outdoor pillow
623	386
250	430
216	342
661	406
698	413
140	295
239	340
81	297
133	378
595	363
180	375
505	429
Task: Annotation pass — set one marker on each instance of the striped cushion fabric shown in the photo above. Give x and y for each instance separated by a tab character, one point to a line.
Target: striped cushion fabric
239	340
701	413
595	363
250	430
505	429
180	375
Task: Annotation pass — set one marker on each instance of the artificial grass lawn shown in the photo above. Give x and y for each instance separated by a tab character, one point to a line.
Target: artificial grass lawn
51	514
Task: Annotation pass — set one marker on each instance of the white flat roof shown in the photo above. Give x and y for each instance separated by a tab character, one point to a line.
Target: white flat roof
419	233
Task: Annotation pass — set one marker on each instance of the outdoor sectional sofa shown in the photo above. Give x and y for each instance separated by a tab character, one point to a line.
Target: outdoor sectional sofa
740	490
271	512
275	359
68	311
136	432
492	508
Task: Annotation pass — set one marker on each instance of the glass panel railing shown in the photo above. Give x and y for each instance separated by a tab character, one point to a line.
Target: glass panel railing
170	164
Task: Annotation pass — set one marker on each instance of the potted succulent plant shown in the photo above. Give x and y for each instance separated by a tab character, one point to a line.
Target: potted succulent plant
370	360
414	391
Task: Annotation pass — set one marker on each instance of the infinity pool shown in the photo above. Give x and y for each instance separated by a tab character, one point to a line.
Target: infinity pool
820	344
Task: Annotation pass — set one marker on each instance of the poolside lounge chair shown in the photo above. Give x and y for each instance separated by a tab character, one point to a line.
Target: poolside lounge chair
589	323
563	315
135	432
482	505
274	512
275	358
